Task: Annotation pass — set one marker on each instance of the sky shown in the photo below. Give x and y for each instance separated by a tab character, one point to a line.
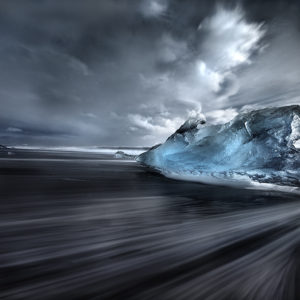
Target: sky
130	72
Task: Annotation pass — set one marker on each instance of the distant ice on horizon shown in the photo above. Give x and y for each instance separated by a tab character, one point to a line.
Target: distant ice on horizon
91	149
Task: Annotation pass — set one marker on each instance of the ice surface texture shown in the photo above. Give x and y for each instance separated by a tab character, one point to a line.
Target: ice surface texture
257	146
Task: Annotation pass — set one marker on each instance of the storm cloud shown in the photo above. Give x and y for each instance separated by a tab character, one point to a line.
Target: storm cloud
129	72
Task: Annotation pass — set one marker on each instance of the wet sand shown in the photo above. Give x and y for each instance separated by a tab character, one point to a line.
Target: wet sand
89	226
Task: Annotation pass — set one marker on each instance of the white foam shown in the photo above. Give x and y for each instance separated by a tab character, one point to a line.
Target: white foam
236	181
129	151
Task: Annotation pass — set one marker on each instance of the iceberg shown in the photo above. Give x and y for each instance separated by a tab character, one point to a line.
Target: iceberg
124	155
261	146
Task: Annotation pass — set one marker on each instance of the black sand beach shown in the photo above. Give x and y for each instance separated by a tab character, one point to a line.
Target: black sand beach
79	225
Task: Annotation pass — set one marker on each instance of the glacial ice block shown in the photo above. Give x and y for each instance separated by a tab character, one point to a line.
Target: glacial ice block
260	146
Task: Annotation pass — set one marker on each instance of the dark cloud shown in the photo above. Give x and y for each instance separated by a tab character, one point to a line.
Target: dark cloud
127	72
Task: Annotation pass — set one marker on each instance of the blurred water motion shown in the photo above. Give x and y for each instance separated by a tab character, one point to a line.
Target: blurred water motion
88	226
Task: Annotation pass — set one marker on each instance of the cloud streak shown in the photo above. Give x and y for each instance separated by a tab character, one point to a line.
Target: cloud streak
206	76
